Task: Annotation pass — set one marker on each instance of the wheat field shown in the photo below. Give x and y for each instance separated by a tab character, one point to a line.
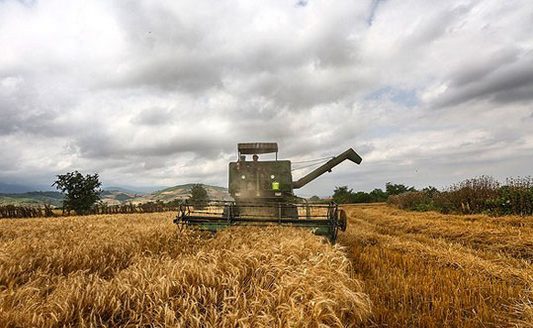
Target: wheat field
435	270
391	268
139	270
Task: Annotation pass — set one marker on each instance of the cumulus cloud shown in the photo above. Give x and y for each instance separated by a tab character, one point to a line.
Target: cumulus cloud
160	93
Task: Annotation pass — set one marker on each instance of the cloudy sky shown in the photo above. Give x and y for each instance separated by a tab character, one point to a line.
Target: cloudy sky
158	93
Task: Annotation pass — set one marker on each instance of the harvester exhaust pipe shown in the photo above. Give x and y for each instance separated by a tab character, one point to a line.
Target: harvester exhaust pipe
348	154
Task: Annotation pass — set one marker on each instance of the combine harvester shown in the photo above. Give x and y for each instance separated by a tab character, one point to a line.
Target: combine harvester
263	195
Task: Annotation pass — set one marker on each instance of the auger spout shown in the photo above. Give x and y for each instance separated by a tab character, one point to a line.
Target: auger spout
348	154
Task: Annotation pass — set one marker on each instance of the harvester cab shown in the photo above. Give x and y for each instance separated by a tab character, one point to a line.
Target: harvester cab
259	181
263	193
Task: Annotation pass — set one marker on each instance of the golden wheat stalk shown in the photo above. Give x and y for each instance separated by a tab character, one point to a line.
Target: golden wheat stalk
139	270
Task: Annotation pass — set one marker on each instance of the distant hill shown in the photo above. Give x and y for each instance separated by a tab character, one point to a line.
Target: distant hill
122	190
32	198
8	188
181	192
117	197
135	190
114	197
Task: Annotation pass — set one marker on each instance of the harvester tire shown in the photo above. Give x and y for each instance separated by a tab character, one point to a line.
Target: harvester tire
343	221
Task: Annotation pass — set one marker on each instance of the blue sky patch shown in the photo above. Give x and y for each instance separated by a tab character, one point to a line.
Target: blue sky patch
400	96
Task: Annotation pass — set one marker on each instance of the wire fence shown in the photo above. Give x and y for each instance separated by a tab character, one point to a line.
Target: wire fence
16	211
46	210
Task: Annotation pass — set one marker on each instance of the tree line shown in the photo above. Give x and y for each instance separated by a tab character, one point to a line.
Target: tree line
483	194
343	195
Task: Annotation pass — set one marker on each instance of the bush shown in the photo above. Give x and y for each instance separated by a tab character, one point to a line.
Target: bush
482	194
517	196
475	195
412	200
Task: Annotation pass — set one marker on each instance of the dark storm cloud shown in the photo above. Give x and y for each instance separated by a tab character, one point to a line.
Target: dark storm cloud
480	68
499	81
101	145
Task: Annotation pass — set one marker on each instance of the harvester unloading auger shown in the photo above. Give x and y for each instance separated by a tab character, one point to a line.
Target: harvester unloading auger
263	195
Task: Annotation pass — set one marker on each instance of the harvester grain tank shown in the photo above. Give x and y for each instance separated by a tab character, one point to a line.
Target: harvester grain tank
263	193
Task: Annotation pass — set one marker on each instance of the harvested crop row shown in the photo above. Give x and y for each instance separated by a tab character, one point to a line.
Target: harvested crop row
512	236
241	277
417	278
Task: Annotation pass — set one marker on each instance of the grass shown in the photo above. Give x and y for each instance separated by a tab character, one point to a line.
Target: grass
139	270
435	270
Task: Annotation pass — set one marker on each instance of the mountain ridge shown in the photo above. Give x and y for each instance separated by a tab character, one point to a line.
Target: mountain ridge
116	196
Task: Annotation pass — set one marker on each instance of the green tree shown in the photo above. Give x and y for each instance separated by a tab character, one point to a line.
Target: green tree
341	195
396	189
81	192
360	197
378	195
199	196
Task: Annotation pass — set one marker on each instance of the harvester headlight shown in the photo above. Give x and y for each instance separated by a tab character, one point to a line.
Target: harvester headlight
243	177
